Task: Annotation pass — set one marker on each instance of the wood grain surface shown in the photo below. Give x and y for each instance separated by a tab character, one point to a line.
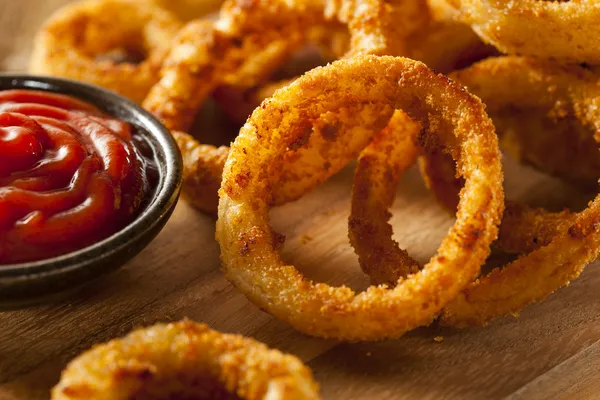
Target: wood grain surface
551	351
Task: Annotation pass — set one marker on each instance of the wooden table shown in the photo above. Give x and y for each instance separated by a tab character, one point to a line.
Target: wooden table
551	351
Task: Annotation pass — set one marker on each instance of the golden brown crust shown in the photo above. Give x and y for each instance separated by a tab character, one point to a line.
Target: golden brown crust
187	10
503	84
523	229
248	251
207	54
429	34
556	143
378	171
184	359
559	244
76	35
202	169
565	30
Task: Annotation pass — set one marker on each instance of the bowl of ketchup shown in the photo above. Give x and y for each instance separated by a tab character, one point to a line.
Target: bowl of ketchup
87	180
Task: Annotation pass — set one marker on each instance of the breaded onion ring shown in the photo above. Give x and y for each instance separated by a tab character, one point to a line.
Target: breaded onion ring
564	242
184	360
378	172
77	35
554	143
255	165
206	55
440	42
249	88
523	229
565	30
550	139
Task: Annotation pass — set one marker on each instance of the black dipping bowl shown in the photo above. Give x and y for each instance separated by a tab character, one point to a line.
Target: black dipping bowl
33	282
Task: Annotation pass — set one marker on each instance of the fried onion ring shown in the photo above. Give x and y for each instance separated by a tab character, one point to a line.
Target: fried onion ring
378	172
523	229
73	41
555	143
565	30
184	360
440	42
562	243
206	55
255	165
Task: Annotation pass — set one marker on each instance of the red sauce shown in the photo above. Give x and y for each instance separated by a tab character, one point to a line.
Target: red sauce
69	175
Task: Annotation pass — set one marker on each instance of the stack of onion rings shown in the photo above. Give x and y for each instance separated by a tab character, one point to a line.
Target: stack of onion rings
74	39
435	39
559	244
185	360
388	112
206	54
255	165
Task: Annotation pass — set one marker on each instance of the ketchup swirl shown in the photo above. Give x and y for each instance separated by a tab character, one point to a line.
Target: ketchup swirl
69	175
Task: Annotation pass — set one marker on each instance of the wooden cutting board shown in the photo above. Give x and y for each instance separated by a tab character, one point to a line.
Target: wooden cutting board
551	351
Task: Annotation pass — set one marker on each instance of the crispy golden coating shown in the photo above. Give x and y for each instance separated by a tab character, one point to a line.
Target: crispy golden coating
565	30
73	41
189	9
255	165
561	244
442	43
184	360
523	228
206	55
548	137
494	81
554	143
238	102
378	172
202	164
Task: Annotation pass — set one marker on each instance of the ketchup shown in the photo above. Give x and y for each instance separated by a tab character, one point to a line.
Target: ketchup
70	175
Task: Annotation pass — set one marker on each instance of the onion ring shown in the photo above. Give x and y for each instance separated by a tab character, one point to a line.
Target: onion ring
248	244
523	229
184	359
565	30
555	143
73	39
440	42
240	97
206	55
563	243
549	138
378	172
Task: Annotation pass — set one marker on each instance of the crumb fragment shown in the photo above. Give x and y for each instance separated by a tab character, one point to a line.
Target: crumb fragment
438	339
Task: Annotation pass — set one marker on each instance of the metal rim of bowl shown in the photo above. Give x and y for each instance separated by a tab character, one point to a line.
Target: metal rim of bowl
160	206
